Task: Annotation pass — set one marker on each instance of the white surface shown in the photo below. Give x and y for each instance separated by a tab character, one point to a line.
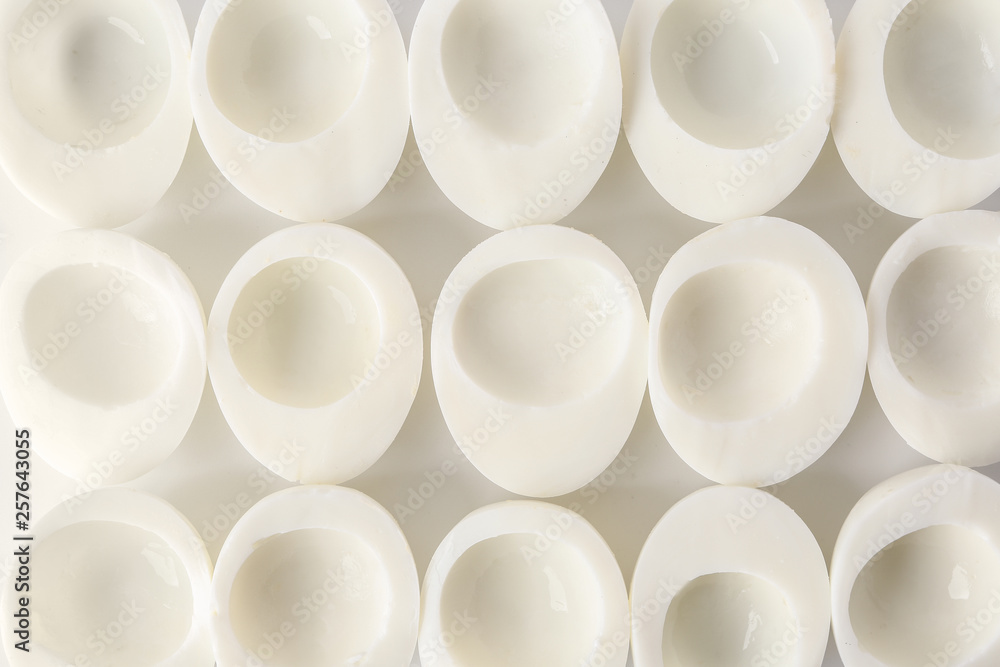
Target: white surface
536	406
730	577
212	479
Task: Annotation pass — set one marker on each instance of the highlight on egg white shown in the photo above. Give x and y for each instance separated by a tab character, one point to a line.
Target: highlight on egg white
934	314
727	103
925	539
95	113
315	575
104	354
917	121
516	104
538	350
730	576
315	349
757	350
115	577
523	583
302	104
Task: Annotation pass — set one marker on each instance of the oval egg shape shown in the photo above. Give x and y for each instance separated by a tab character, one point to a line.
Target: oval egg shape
104	353
96	114
302	104
516	104
730	576
117	578
934	356
925	539
538	350
917	121
727	103
315	575
757	350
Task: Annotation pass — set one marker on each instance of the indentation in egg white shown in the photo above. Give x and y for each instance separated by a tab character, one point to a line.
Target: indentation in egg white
329	586
943	323
942	76
101	334
730	619
904	606
281	70
736	74
111	594
520	606
542	332
739	341
541	71
97	74
302	331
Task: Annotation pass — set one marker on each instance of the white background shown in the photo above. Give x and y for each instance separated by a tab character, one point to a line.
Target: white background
428	236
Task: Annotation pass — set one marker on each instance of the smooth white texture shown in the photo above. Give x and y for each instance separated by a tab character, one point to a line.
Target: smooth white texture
730	577
334	546
119	578
924	540
427	235
91	93
525	584
538	355
302	104
727	102
317	390
916	119
934	315
516	104
757	350
104	341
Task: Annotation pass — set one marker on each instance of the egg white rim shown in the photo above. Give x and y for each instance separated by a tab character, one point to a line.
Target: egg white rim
102	191
710	182
759	451
148	513
86	442
513	456
954	497
495	182
550	523
333	508
879	153
960	432
338	441
336	172
750	532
